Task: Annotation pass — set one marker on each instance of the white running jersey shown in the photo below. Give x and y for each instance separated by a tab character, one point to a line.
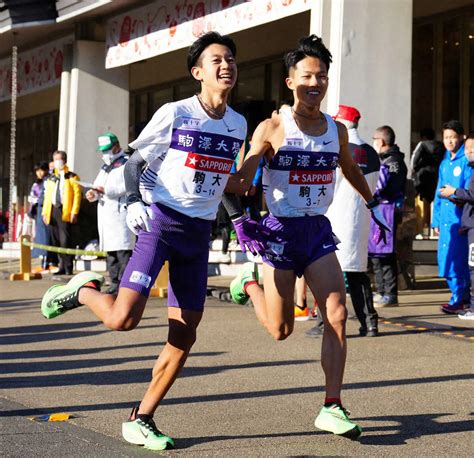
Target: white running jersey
189	157
299	180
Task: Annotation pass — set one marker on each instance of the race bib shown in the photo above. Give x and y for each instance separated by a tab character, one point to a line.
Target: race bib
310	189
208	160
206	175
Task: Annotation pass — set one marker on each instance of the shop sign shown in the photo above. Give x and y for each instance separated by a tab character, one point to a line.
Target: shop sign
173	24
38	69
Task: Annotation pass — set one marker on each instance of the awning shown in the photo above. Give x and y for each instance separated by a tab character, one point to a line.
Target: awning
168	25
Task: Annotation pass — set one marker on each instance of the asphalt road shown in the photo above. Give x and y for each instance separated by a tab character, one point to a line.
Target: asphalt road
241	393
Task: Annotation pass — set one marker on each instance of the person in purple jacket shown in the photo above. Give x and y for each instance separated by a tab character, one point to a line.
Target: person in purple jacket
390	191
466	197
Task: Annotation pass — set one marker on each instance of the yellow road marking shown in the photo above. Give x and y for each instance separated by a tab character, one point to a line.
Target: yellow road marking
411	326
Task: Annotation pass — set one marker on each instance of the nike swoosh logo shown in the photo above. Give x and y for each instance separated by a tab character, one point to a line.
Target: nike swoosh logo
327	143
143	432
230	130
301	308
329	245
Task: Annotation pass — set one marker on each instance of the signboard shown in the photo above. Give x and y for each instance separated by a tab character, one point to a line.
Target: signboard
173	24
38	69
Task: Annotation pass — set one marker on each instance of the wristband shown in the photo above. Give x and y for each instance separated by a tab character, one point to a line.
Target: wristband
372	204
238	218
132	199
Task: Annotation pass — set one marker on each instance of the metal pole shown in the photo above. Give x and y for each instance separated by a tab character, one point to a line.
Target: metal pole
12	197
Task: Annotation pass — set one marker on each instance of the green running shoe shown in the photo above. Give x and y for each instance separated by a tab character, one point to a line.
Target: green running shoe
139	432
335	419
61	298
248	273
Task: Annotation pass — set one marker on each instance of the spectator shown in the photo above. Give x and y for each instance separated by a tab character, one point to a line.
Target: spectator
466	196
62	200
452	246
425	163
350	221
390	191
36	194
109	190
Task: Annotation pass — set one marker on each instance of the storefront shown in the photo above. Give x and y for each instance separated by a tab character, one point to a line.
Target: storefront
39	73
443	69
406	63
261	84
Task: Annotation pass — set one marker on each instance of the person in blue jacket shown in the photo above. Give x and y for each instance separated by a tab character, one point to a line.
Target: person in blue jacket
466	196
452	245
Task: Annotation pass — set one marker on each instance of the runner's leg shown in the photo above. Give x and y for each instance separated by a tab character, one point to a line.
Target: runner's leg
279	290
121	313
300	286
181	337
325	279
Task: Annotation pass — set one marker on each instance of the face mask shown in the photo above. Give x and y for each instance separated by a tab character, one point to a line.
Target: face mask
59	164
470	159
107	158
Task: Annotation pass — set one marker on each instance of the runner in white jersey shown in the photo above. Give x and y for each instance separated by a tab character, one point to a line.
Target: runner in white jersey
302	147
181	167
189	156
299	179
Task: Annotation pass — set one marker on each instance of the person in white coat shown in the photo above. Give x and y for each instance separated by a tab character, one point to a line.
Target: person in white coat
350	221
109	190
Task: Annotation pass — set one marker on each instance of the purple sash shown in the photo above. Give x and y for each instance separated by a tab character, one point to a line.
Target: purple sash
377	249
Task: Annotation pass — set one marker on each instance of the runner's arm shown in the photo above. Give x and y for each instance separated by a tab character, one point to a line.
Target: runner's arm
240	182
132	172
260	144
139	215
349	168
235	184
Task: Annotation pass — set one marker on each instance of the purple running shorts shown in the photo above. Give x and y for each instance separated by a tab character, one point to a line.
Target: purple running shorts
183	242
295	243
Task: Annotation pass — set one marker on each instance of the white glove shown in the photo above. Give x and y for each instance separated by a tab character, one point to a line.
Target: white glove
139	217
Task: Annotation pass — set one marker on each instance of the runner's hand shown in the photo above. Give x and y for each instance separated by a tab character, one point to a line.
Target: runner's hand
139	217
379	220
247	234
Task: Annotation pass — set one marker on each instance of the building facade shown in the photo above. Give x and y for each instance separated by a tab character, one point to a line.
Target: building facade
108	65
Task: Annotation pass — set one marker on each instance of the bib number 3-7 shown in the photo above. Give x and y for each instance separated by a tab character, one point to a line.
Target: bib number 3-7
306	196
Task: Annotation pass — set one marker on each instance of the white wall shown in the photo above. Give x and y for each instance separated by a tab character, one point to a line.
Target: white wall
375	71
99	102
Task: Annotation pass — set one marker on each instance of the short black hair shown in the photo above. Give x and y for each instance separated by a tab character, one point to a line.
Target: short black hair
427	133
206	40
387	134
311	46
470	136
41	165
455	125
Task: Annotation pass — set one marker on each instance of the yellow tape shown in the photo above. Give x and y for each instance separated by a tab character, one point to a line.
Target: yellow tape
73	251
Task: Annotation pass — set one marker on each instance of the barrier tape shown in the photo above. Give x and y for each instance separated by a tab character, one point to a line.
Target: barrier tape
73	251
